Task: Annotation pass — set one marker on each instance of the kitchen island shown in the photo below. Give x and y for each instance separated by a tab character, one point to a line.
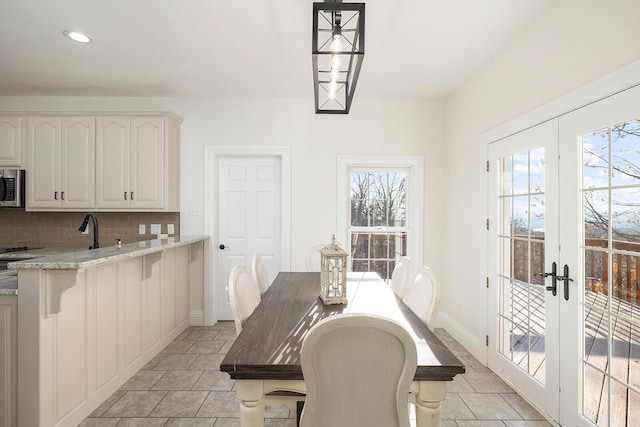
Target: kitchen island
89	320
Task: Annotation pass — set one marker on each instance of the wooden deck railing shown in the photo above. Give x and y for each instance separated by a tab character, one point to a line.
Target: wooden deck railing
624	269
528	259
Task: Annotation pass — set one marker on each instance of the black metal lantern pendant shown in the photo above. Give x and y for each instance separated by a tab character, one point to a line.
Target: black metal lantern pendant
338	51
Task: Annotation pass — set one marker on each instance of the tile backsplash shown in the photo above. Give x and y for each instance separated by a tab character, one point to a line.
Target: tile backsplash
47	229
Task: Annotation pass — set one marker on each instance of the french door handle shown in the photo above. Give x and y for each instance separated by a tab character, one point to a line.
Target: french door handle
554	286
566	280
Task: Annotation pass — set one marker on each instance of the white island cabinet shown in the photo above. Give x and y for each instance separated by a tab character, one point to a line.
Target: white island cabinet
87	321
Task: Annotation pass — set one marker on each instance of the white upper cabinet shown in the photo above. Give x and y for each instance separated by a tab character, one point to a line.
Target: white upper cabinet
113	147
11	141
43	180
147	162
137	163
93	161
60	163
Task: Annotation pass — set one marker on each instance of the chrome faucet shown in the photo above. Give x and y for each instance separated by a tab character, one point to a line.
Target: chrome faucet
83	227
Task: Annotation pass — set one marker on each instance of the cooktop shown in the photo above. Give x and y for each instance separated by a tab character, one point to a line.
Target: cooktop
18	249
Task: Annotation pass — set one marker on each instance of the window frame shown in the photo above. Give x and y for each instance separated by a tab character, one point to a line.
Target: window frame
414	166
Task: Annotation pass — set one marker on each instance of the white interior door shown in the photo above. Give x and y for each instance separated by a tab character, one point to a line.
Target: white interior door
249	218
523	243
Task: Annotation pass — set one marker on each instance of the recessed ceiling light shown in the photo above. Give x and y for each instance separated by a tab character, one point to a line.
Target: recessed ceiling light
76	36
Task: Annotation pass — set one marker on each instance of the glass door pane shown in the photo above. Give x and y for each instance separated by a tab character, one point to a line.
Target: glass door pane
610	361
522	233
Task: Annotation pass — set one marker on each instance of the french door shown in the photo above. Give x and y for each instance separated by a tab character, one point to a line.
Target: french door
524	245
567	192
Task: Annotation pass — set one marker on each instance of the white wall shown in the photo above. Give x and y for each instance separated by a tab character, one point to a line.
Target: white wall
573	43
374	126
570	45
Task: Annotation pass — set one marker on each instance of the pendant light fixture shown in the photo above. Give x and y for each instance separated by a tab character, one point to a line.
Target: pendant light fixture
338	51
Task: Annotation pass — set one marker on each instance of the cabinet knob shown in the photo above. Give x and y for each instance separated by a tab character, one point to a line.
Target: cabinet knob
125	195
55	195
62	195
132	195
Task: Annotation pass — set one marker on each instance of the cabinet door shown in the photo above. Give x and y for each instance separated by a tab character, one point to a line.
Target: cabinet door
43	144
77	162
147	162
113	145
10	141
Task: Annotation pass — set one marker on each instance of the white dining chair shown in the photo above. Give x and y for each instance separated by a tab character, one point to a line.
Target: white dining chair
423	296
260	274
312	259
243	296
401	276
357	370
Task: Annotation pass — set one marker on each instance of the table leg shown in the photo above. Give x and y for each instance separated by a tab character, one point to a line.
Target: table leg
251	395
428	398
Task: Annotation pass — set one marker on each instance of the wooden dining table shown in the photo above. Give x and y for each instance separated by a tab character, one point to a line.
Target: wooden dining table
265	357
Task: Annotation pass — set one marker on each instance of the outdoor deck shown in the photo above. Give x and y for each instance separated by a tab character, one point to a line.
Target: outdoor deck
625	352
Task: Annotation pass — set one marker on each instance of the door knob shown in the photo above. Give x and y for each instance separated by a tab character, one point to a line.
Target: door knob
554	286
222	247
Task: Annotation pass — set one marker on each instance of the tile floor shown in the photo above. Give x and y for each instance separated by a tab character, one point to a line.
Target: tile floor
183	387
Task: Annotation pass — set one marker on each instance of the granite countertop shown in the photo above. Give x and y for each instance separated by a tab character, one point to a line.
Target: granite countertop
8	282
37	253
9	278
90	258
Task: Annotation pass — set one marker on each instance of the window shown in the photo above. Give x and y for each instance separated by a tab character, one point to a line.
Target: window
381	202
378	219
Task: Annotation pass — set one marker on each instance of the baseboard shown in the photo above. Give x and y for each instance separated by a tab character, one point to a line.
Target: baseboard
196	318
464	337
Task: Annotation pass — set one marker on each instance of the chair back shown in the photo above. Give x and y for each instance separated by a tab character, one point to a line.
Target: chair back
260	274
243	296
401	276
312	259
423	296
357	371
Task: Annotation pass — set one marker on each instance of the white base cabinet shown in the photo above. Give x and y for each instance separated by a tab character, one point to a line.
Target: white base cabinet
84	332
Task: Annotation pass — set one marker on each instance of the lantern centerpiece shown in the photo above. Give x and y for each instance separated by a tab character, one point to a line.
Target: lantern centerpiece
333	274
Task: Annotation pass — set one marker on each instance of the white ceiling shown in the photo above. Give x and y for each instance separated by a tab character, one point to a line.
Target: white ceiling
259	48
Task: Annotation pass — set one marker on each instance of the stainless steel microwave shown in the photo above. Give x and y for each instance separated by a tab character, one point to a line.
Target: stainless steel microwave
12	188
